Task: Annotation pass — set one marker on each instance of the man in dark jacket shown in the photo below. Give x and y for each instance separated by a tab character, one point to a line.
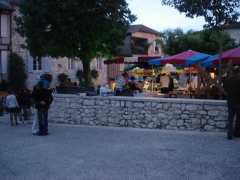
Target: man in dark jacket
24	99
232	88
42	98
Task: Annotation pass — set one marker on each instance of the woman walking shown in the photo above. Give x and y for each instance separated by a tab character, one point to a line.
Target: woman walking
12	106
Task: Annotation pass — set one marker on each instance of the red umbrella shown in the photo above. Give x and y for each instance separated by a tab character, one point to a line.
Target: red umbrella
179	59
232	54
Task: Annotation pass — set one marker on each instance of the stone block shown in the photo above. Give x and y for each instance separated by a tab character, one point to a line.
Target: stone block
138	105
192	107
213	113
88	102
221	125
209	128
180	123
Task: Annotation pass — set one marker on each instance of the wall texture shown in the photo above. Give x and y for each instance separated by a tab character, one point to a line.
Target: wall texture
182	114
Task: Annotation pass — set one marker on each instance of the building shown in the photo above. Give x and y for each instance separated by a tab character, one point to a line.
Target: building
234	31
5	39
11	41
140	41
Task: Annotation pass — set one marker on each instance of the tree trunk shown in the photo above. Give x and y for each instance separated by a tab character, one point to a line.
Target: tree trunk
87	72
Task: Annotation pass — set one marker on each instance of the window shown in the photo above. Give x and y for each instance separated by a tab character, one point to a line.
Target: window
99	63
37	64
70	64
139	45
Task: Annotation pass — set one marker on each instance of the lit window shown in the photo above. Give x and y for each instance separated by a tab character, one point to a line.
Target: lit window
70	64
99	63
37	64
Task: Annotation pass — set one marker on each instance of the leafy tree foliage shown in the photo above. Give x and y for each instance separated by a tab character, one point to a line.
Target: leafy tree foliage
83	29
16	72
176	41
215	12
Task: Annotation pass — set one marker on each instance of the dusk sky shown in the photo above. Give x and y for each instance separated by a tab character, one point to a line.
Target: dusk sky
153	14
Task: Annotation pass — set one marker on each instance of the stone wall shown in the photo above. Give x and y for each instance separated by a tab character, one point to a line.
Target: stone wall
182	114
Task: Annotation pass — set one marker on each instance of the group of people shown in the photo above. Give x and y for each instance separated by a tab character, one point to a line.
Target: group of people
126	85
40	98
167	82
18	105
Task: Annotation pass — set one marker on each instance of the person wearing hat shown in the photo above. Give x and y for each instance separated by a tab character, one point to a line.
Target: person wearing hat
42	98
231	85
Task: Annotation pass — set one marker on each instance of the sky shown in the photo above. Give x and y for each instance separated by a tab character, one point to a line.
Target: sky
154	15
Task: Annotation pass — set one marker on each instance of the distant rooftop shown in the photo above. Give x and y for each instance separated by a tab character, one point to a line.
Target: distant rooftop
142	28
235	25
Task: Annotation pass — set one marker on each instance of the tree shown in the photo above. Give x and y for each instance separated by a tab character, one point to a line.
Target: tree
215	12
94	74
70	28
176	41
16	72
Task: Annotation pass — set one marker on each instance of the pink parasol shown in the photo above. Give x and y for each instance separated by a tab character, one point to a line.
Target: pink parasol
179	59
232	54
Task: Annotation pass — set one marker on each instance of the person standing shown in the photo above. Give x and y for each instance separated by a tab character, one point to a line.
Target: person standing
231	86
121	82
24	99
164	82
42	98
12	106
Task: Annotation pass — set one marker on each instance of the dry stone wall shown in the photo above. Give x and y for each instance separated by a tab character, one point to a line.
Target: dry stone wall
173	114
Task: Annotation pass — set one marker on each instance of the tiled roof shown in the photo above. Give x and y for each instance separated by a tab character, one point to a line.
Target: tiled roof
142	28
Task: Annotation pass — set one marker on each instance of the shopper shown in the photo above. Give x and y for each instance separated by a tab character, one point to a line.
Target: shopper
232	88
121	83
164	82
12	106
42	98
24	99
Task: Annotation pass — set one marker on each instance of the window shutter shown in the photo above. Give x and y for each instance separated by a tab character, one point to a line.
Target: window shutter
29	63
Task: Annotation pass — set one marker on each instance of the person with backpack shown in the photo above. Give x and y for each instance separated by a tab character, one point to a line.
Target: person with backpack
42	96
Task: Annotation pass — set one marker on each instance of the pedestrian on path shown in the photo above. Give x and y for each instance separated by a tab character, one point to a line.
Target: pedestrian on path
12	106
232	88
42	98
35	127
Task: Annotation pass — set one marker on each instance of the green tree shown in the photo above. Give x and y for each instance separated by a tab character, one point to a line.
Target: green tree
215	12
16	72
70	28
176	41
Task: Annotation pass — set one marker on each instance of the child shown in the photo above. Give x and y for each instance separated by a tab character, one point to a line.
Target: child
12	106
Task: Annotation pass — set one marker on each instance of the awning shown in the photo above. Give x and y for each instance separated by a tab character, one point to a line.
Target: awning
197	58
130	60
179	59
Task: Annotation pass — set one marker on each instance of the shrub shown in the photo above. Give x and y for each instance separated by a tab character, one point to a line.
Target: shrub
16	72
62	79
94	74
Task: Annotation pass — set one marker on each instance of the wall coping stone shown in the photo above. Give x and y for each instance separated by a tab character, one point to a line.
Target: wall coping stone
148	99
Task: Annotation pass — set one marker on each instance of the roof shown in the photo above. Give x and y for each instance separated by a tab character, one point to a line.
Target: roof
16	2
5	5
235	25
142	28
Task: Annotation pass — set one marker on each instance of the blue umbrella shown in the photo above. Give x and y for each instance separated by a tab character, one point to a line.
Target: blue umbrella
155	61
199	57
209	61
